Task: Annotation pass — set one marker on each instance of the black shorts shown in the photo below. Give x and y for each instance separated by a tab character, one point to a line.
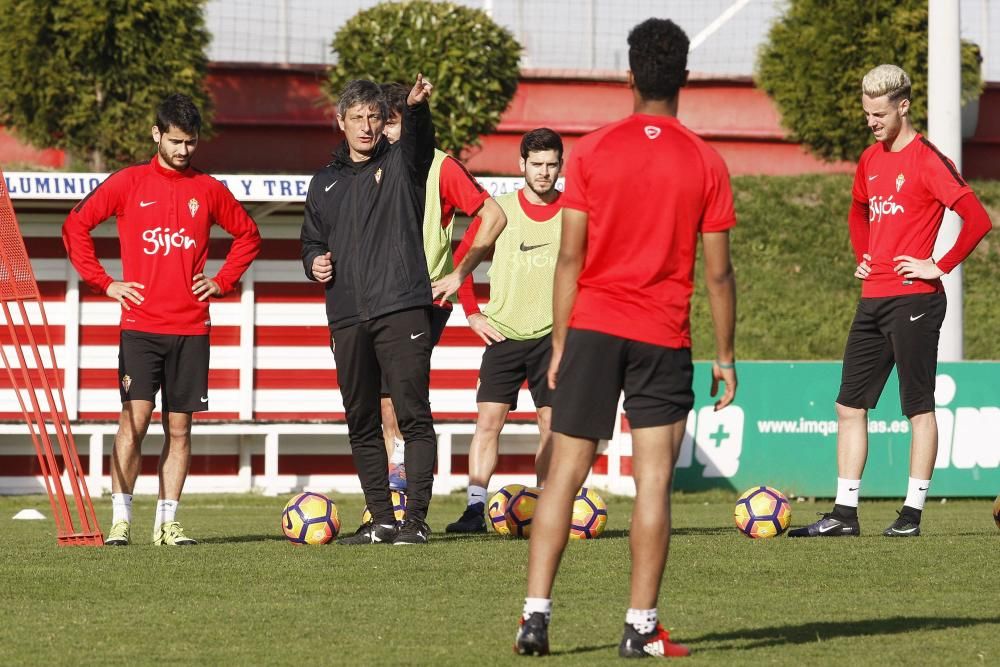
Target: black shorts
507	364
596	367
439	318
149	362
901	331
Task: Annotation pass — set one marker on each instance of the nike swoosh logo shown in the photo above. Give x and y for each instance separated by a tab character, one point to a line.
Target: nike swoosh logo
331	185
854	489
907	531
923	488
526	248
914	319
872	178
204	399
144	204
415	336
827	529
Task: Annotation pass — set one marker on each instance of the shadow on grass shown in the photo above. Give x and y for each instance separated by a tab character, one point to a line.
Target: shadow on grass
236	539
808	633
698	532
450	537
585	649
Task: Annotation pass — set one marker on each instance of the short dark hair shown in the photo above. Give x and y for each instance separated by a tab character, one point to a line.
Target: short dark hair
657	56
361	91
542	139
178	111
396	95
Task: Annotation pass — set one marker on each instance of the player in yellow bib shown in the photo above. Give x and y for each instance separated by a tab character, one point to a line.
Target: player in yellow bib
517	321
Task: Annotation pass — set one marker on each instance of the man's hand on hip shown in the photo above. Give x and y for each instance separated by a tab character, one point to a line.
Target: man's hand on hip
123	292
204	287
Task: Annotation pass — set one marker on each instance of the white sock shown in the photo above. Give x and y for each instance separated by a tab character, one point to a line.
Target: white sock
537	605
916	493
397	452
476	494
121	507
643	620
848	491
166	511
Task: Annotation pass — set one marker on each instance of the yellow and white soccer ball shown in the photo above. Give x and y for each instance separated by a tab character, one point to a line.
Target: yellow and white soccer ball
398	507
521	510
590	515
496	509
762	512
310	518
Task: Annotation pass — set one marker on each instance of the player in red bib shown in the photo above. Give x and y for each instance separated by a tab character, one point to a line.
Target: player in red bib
639	193
902	186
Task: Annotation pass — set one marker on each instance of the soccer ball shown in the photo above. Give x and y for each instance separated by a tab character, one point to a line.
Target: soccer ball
310	518
398	506
520	511
996	511
497	507
590	514
762	512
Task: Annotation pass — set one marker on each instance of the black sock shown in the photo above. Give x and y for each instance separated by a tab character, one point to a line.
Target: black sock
845	512
910	513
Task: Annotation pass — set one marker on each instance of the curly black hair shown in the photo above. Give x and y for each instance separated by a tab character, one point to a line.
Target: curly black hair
657	56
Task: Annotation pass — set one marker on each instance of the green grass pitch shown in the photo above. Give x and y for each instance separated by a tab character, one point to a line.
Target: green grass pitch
247	597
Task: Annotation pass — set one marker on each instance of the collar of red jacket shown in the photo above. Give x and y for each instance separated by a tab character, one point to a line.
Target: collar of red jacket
169	173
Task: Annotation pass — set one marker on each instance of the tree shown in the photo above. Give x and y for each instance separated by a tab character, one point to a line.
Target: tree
472	62
818	52
85	75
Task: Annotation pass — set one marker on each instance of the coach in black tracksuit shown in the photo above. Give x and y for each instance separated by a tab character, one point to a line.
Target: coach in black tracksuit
362	237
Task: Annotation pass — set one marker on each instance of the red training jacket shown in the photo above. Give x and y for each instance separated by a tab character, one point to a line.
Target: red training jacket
164	218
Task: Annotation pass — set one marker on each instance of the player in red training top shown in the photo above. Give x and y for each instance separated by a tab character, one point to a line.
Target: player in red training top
164	210
901	188
638	194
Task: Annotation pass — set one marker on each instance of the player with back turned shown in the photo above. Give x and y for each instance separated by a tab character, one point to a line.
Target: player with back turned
902	186
638	194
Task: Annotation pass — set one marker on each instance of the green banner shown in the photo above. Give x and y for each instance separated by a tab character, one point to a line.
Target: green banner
782	431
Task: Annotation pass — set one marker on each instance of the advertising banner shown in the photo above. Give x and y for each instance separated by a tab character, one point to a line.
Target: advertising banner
782	431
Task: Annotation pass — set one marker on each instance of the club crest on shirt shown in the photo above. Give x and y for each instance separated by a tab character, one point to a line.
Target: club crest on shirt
899	182
126	383
193	206
378	175
652	131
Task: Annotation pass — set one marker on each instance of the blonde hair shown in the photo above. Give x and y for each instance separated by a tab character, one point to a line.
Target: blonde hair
888	80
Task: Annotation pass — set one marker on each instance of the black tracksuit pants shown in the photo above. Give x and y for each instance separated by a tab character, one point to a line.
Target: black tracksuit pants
398	345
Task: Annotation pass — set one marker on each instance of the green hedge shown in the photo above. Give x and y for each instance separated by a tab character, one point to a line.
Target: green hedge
471	60
819	50
794	272
85	77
